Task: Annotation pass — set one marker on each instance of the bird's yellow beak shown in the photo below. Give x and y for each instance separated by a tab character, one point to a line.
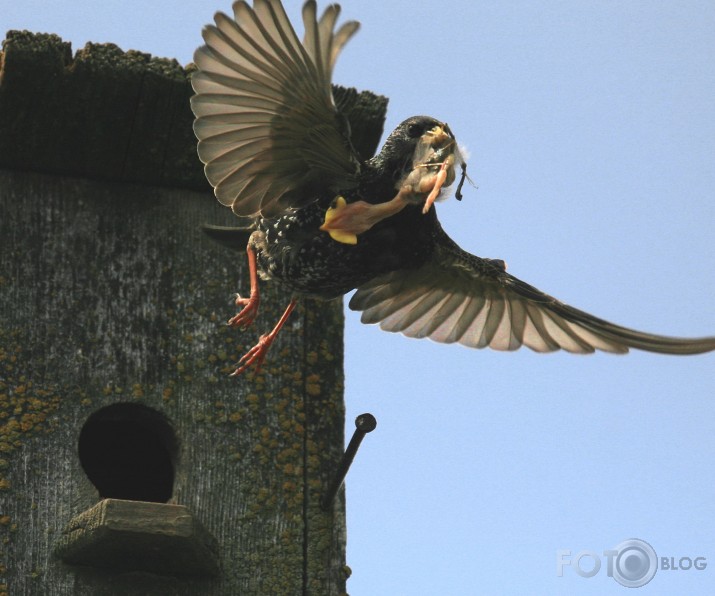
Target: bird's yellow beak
432	166
437	137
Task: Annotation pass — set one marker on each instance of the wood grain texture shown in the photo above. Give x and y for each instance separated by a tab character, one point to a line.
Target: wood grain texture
134	535
102	113
114	115
110	293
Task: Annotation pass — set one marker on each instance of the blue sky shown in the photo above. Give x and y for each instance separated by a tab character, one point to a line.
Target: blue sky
591	131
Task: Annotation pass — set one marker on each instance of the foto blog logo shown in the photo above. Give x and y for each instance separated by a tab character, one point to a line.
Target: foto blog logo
632	563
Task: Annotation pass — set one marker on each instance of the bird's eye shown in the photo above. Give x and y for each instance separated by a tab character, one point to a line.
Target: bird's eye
415	130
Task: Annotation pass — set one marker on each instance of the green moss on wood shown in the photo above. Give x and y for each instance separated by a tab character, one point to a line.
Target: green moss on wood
109	292
130	314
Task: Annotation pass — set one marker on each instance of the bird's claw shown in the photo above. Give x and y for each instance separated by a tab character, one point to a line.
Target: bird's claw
249	311
255	356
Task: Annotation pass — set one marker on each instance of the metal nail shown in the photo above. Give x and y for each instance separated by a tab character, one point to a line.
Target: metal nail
364	424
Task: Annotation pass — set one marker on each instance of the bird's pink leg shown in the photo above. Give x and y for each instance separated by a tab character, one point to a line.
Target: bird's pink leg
250	305
257	354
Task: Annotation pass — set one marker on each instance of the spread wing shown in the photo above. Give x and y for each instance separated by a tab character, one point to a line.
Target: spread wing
266	121
457	297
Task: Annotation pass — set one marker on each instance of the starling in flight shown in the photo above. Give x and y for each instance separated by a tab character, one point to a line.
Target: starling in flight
324	221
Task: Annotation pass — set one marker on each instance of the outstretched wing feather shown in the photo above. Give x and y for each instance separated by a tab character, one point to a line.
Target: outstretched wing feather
457	297
265	117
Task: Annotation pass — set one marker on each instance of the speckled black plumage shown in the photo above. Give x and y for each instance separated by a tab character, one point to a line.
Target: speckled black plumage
291	248
278	150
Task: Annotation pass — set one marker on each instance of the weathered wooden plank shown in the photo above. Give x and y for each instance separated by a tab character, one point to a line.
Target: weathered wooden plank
103	113
134	535
111	294
116	115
